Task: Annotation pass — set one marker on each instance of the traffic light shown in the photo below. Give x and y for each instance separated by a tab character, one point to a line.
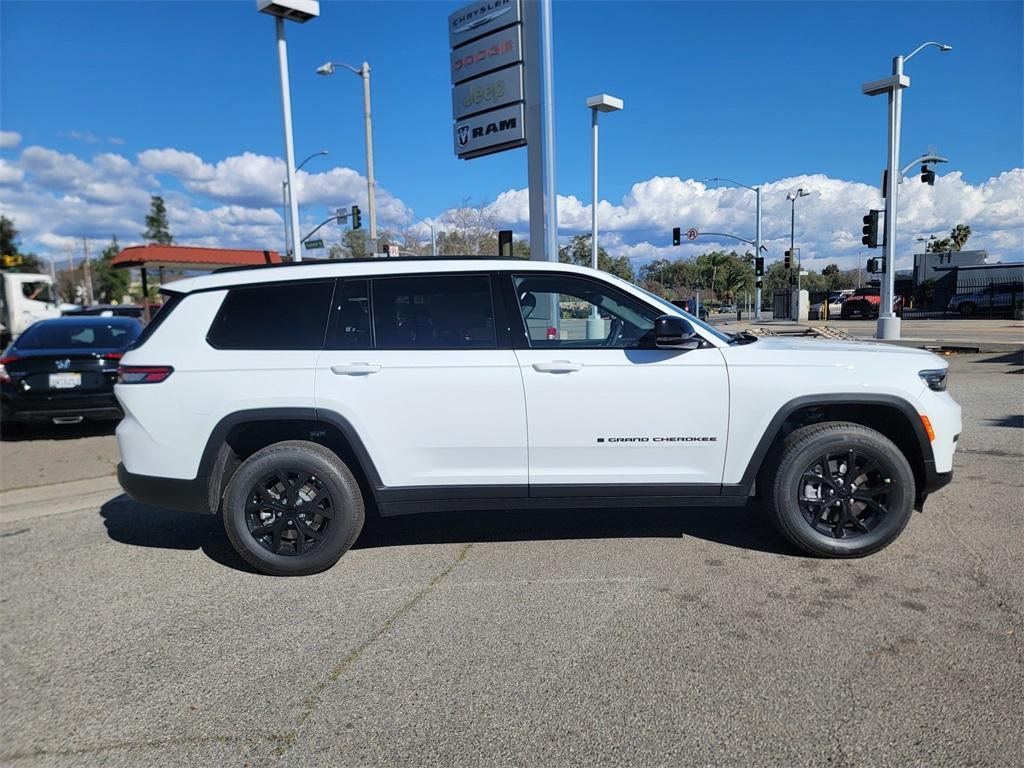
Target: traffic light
759	266
788	262
357	219
876	265
677	236
927	176
870	229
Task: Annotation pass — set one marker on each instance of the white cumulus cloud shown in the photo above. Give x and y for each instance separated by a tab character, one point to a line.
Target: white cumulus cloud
9	139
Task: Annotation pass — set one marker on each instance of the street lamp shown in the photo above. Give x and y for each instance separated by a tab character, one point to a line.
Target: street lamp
757	241
792	196
597	104
300	11
328	68
286	195
888	324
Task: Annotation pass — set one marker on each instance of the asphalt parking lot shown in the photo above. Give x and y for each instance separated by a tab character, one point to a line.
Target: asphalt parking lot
133	636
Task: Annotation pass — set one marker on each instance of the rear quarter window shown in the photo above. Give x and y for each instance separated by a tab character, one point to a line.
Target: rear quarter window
281	316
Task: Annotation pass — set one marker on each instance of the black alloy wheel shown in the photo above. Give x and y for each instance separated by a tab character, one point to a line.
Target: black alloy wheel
288	512
292	508
844	494
839	489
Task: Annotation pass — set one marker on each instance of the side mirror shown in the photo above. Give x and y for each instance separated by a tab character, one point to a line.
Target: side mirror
673	332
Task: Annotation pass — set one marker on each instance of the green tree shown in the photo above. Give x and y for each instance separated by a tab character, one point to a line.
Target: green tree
157	228
11	256
110	284
578	252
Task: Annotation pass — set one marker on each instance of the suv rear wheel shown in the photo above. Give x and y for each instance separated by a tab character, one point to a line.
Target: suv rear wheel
292	509
840	490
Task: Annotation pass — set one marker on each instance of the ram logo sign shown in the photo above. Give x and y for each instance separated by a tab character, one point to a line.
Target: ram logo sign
488	131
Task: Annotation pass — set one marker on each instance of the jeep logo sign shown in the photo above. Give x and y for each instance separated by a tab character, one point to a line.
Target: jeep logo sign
489	130
488	92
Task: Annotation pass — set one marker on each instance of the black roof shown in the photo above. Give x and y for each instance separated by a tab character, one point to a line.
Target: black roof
367	260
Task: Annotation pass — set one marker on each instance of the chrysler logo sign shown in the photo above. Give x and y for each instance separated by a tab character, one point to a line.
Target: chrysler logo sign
478	19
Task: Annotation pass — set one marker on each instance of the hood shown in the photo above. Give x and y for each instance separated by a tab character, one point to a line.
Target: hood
842	350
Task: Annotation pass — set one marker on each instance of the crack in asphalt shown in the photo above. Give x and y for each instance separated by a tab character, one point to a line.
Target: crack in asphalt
287	739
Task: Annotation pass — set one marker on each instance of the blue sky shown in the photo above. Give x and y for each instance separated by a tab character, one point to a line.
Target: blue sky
758	92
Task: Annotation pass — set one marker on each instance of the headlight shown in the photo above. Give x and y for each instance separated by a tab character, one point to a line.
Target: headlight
935	379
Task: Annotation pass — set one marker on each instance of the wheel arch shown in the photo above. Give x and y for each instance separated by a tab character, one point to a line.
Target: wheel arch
892	416
240	434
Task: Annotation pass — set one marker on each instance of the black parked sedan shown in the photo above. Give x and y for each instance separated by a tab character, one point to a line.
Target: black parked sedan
63	370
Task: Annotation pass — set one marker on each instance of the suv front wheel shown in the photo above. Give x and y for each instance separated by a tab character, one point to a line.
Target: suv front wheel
292	509
840	490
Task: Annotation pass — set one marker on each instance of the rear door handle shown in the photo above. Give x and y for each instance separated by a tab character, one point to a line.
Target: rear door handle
355	369
558	366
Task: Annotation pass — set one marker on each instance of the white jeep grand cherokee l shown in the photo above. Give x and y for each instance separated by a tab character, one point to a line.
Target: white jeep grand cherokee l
285	398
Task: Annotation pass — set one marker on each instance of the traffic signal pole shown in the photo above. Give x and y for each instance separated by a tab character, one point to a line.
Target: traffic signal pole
757	254
888	324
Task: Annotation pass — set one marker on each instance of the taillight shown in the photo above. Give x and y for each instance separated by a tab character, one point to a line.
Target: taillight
113	355
5	377
552	334
143	374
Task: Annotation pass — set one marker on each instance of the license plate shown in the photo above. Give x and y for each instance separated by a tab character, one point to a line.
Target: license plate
65	380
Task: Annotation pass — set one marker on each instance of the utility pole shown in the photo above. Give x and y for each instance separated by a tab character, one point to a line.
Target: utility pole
87	274
371	183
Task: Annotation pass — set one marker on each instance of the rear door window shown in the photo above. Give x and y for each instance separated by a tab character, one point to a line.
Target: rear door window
433	312
281	316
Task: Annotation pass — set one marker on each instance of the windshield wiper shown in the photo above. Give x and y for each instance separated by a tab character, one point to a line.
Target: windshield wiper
743	337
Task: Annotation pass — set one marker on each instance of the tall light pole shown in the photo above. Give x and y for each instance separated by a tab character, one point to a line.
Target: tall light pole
286	196
757	241
597	104
371	185
888	324
792	196
300	11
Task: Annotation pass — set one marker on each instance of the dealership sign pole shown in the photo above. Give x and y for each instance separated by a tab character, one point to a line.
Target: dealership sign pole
501	97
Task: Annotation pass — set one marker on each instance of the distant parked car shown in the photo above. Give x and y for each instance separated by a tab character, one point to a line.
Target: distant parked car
865	302
728	309
835	304
1000	298
687	305
106	310
63	370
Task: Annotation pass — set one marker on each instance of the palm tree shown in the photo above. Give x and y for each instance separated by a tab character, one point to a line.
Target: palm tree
959	236
733	281
716	261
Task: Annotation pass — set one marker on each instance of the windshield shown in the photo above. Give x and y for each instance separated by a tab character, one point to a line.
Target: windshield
38	291
84	336
673	309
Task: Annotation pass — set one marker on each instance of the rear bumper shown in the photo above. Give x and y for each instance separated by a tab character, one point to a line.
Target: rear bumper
172	493
103	413
102	405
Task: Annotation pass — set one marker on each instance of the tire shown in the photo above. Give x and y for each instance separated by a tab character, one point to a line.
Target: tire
826	518
967	309
298	528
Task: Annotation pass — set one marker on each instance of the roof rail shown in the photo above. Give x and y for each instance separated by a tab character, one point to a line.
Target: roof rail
369	259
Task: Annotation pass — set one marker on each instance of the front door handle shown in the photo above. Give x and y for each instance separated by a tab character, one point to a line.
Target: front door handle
355	369
558	366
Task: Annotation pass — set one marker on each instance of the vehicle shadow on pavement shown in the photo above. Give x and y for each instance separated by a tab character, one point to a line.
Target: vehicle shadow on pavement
15	433
742	527
140	525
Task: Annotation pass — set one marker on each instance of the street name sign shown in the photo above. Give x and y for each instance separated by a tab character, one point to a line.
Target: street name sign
311	244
